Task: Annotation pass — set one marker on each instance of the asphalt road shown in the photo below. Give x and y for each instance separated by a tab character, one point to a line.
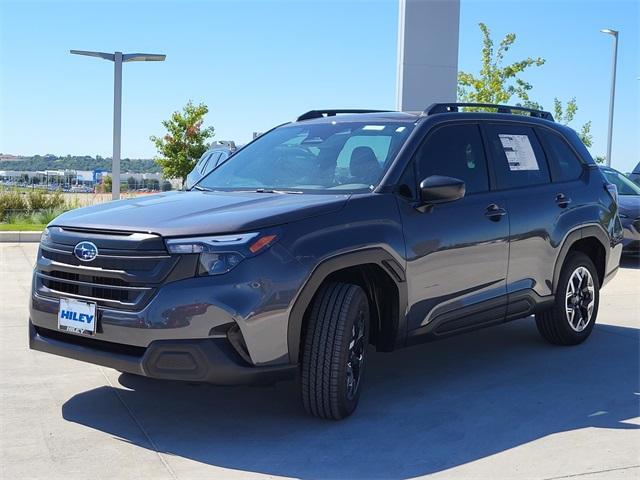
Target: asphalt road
496	404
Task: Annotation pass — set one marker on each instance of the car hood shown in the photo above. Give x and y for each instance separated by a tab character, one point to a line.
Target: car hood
174	214
629	205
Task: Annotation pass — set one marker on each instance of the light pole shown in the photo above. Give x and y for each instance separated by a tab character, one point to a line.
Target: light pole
118	58
614	34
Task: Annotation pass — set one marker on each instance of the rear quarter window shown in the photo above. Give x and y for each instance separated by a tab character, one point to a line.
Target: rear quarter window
563	161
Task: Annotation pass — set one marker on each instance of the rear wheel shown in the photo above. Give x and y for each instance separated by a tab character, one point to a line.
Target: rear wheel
335	350
573	315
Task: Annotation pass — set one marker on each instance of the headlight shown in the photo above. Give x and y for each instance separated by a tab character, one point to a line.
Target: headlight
45	238
220	254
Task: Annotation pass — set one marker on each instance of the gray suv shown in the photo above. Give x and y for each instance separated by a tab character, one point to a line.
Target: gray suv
328	235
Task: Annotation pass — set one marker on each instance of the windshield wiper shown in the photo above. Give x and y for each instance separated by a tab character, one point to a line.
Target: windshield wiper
202	189
282	192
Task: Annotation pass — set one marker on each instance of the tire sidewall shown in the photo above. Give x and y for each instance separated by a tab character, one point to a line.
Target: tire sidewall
347	405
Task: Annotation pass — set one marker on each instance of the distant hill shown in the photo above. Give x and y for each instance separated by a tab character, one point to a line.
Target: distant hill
52	162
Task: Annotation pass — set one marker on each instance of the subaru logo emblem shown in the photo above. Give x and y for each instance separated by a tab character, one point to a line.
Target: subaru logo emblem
85	251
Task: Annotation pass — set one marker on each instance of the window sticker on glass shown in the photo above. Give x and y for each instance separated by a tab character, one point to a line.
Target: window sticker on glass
519	152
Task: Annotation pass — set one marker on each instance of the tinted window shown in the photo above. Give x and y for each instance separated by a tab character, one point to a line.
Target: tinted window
564	163
455	151
223	156
378	144
203	159
313	156
211	163
517	156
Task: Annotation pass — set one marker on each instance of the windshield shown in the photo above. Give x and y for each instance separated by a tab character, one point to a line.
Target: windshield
622	183
349	156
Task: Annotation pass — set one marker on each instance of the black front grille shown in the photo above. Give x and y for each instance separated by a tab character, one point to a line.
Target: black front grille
125	277
89	286
62	286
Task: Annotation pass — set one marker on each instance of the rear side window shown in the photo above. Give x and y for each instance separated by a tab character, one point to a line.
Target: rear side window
455	151
517	156
564	163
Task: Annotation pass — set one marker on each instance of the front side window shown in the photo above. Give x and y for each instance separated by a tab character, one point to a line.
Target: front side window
517	156
566	166
455	151
319	157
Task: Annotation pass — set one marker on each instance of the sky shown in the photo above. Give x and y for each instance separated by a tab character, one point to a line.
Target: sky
257	64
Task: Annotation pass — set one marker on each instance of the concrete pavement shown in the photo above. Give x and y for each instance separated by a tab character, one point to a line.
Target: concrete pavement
499	403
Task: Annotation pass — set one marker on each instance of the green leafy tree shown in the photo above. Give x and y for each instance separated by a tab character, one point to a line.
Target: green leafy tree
499	83
185	141
496	82
565	114
107	183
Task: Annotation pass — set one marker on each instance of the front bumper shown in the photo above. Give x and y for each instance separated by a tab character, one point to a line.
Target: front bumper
211	360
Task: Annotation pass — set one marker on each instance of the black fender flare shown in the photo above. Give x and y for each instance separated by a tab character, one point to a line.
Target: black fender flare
586	231
375	255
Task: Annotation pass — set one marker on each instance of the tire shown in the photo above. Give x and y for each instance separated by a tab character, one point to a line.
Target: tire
340	312
557	325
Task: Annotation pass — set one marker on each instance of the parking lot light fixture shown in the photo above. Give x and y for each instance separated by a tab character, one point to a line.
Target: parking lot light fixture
614	34
118	58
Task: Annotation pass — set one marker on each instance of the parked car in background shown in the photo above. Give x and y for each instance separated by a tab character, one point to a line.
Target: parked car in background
635	175
218	152
628	209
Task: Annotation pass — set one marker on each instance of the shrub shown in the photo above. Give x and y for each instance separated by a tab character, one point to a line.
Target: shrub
46	216
37	199
11	202
42	200
55	200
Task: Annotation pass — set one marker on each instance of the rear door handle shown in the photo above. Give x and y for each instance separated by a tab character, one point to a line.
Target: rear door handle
494	212
562	200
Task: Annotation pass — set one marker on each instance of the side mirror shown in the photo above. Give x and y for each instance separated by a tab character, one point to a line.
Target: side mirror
440	189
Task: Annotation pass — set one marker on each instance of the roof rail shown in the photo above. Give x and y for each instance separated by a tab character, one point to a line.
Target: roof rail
330	113
453	107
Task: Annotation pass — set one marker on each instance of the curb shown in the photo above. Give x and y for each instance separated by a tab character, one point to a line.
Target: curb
20	237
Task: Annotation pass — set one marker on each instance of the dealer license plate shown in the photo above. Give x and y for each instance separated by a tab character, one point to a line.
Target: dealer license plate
77	316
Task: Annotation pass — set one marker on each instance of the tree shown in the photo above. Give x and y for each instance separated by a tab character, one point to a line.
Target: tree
498	84
185	141
107	182
131	182
166	186
565	116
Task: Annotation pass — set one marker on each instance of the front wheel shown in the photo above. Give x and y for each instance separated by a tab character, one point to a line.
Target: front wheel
572	317
335	350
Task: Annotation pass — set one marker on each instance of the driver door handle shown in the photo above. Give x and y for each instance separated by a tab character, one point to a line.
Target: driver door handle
494	212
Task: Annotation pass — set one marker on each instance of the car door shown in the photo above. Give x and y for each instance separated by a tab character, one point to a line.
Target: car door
457	252
539	211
